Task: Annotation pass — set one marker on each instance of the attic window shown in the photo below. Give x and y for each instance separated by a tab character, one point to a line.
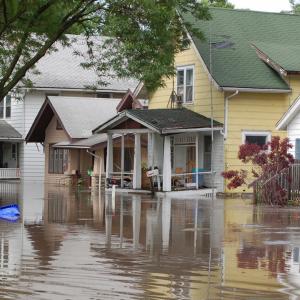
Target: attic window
58	125
185	83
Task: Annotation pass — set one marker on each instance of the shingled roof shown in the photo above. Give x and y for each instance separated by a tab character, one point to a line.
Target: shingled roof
232	34
163	121
7	132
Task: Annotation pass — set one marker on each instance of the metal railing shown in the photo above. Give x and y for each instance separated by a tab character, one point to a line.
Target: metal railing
279	188
10	173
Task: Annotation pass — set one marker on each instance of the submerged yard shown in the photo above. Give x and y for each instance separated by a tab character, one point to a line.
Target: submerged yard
76	245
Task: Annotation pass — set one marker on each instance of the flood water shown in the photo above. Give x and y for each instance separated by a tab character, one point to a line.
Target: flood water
75	245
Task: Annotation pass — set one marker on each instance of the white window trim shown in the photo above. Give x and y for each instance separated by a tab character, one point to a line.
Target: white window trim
185	67
4	108
256	133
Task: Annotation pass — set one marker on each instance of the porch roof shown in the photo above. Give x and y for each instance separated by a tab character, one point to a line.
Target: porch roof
7	132
163	121
87	143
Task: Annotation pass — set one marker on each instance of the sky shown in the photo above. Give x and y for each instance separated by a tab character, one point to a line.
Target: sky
263	5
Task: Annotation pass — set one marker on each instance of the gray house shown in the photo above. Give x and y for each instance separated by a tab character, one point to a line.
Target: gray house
60	75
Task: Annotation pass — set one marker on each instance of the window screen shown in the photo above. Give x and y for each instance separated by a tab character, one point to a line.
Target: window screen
256	139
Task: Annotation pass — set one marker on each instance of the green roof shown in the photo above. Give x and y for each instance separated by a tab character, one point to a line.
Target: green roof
161	120
285	55
234	60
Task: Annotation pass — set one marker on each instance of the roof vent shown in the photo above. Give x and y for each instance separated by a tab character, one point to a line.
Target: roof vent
222	44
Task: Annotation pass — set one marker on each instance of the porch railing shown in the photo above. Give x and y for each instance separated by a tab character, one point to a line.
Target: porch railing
187	181
279	188
10	173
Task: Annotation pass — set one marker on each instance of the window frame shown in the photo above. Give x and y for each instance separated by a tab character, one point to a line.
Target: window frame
4	117
58	160
245	133
185	68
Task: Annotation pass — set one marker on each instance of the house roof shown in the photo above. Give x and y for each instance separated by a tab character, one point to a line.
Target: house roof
62	69
231	34
87	143
77	115
7	132
289	115
162	121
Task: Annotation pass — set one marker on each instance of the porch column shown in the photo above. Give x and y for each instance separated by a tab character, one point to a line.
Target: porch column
109	155
197	160
137	176
150	150
167	172
122	160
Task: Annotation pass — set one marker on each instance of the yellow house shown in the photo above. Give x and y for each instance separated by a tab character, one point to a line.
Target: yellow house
244	74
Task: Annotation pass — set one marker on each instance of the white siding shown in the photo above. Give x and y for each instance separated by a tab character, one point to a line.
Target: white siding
33	157
293	130
17	115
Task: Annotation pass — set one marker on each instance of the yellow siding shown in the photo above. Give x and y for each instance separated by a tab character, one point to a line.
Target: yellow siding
251	112
202	95
246	111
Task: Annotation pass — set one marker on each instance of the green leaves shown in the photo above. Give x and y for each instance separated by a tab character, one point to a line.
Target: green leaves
143	36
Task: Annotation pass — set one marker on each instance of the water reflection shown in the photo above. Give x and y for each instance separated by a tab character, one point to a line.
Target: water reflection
76	245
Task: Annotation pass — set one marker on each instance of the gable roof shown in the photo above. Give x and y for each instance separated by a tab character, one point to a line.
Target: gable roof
162	121
289	115
62	69
77	115
230	36
7	132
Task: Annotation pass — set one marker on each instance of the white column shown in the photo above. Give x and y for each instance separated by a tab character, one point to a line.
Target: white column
167	165
122	160
109	155
150	150
137	174
166	222
197	160
136	220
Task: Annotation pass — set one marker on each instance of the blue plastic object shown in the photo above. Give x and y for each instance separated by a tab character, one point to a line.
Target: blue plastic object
10	212
200	176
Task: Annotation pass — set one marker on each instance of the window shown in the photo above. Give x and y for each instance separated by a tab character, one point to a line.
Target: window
58	125
185	83
5	107
259	138
58	160
297	149
104	95
207	152
13	151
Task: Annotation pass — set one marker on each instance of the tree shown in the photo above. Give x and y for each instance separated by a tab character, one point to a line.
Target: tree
265	162
295	7
143	36
219	3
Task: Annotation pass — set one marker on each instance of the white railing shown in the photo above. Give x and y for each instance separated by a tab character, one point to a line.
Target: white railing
10	173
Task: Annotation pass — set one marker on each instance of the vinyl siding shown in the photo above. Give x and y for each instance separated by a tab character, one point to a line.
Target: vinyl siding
202	89
293	131
33	161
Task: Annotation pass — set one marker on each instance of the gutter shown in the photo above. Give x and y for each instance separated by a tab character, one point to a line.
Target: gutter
253	90
224	132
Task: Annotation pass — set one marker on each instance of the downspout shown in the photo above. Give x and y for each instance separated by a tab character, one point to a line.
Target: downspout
224	132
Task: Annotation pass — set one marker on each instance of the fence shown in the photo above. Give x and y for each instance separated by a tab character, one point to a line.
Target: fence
280	188
9	173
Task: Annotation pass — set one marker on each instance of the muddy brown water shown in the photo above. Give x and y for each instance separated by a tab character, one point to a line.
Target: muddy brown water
76	245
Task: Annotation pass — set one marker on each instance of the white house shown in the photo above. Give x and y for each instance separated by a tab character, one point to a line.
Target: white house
290	122
60	75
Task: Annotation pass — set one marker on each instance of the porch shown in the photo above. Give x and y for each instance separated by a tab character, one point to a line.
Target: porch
10	140
177	158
